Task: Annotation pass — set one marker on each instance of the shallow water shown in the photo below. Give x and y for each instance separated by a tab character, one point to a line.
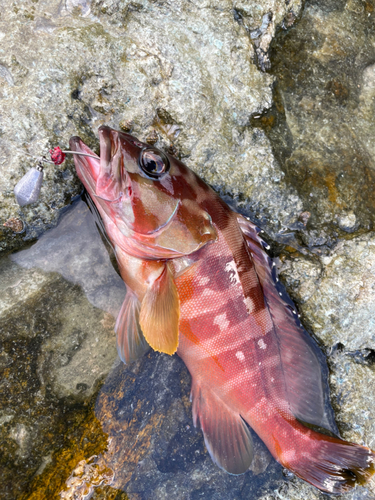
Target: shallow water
73	417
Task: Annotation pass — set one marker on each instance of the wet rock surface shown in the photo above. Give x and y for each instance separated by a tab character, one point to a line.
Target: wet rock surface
56	347
323	123
74	422
152	436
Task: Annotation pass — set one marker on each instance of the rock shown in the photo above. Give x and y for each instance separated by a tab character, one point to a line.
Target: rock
336	294
297	490
58	302
347	222
105	61
324	113
298	158
355	407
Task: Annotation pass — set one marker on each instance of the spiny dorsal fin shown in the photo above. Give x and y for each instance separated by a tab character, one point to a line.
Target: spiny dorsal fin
227	437
131	343
160	313
301	366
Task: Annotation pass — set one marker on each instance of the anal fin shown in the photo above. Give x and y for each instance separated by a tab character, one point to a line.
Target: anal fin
131	343
226	435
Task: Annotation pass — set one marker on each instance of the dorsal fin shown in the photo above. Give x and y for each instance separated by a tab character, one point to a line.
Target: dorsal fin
227	438
307	394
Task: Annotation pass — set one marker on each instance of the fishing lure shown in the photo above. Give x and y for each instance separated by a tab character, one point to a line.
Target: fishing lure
27	190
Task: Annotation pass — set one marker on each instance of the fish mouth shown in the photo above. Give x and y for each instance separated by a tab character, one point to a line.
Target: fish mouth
102	175
88	168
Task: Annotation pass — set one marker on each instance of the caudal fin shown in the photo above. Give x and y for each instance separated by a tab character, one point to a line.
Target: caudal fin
333	465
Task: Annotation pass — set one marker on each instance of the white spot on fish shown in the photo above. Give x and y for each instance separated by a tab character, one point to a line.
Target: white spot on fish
221	321
249	303
231	268
272	379
203	280
262	344
240	356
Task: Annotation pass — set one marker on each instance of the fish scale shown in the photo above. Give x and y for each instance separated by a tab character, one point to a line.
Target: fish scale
200	283
201	312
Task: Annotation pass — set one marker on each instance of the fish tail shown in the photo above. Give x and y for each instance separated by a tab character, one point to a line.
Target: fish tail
328	463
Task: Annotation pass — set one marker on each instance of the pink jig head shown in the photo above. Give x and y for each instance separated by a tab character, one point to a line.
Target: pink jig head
57	156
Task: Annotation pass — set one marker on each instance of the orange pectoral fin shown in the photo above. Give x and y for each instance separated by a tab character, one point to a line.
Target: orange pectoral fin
160	313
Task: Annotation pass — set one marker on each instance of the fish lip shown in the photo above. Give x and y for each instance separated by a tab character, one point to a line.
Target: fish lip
87	167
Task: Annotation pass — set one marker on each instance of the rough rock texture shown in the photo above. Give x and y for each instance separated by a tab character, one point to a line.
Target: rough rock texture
186	68
56	347
336	293
193	71
324	68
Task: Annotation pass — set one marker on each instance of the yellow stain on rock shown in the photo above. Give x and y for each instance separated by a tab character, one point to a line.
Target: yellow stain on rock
85	438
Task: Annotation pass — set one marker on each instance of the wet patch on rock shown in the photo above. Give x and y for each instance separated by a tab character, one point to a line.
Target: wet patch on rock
154	448
322	124
57	344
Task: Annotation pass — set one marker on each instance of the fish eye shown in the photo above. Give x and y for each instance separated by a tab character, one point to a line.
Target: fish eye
153	162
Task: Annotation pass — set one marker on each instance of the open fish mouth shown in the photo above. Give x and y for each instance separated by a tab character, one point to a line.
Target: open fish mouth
88	168
101	175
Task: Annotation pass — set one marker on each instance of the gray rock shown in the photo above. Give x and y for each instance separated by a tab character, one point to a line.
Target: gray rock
84	350
58	303
337	293
75	250
324	137
185	68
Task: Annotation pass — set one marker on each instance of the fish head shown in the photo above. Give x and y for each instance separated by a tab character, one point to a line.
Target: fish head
151	198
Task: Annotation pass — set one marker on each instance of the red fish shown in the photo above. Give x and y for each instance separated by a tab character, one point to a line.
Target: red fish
200	282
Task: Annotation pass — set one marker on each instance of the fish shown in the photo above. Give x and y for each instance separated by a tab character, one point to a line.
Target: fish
200	284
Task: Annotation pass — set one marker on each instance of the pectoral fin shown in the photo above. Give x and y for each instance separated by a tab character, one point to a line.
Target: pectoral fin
160	313
131	343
